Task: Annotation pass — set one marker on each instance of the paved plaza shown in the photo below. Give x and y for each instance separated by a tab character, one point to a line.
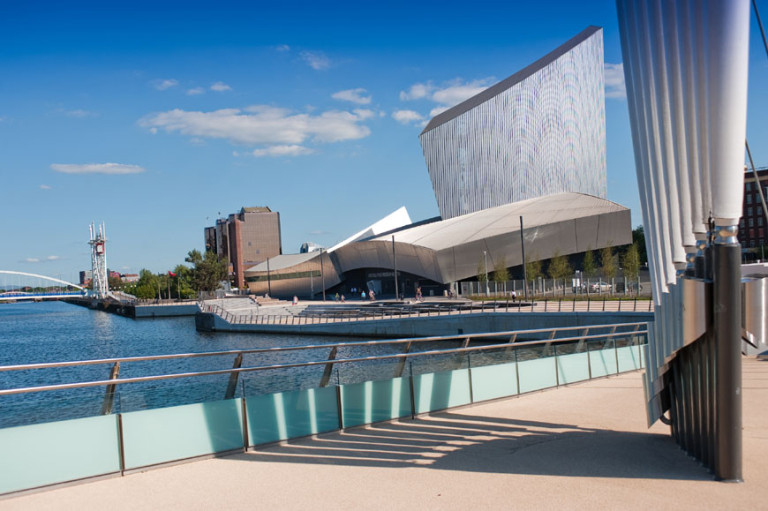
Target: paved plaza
585	446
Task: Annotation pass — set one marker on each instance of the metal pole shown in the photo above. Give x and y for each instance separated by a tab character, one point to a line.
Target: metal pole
727	328
525	270
485	267
269	280
394	261
322	271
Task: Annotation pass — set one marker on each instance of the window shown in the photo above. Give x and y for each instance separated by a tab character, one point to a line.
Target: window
749	198
748	187
751	222
749	211
760	221
741	223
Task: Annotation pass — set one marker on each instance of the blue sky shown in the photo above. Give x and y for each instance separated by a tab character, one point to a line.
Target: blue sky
155	119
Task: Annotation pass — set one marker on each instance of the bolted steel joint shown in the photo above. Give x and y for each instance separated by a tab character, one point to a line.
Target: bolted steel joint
726	235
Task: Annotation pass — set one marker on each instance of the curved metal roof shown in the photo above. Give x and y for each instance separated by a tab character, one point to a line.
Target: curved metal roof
505	219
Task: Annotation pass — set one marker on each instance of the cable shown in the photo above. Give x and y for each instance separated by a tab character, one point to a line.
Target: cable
760	24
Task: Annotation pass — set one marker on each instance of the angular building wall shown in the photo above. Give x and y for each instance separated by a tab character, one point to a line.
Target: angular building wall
539	132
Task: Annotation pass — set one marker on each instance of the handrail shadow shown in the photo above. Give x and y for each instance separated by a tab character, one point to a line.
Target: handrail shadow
473	443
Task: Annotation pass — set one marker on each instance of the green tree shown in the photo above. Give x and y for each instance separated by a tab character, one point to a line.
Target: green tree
114	283
500	272
559	269
146	287
181	285
638	239
208	271
590	266
608	262
533	268
631	262
482	272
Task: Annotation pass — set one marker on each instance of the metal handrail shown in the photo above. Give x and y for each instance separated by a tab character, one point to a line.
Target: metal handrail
278	349
457	308
513	344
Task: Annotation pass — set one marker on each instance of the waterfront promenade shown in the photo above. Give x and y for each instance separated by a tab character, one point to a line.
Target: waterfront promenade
576	447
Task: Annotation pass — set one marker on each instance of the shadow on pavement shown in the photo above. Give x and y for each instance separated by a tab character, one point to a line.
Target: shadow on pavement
454	441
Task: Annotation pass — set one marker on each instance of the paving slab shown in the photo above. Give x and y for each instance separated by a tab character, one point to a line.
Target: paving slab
581	446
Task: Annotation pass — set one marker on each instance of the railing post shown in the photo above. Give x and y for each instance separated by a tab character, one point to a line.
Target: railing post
244	410
109	395
401	366
232	385
339	406
413	393
328	368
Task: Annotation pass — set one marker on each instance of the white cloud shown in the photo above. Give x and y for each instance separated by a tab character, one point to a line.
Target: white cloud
282	150
79	113
195	91
220	87
614	81
417	91
38	260
45	187
97	168
164	83
364	113
456	92
283	47
317	60
354	95
262	125
448	94
438	110
407	116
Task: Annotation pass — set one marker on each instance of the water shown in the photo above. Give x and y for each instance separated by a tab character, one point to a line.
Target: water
56	332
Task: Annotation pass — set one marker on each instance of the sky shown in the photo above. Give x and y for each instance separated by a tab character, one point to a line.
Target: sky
158	117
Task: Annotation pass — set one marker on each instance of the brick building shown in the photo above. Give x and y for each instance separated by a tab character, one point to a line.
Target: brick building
245	239
753	227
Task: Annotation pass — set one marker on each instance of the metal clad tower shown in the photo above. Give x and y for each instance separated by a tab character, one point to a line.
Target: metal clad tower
98	241
539	132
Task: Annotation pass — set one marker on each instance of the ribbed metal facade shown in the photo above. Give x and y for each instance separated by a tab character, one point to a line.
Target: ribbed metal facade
539	132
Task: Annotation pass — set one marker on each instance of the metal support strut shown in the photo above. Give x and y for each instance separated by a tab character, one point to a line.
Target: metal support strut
727	326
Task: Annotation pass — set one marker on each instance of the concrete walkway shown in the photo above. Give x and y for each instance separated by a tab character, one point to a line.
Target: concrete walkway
584	446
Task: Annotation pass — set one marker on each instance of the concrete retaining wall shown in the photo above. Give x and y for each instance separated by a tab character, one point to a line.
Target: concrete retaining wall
428	326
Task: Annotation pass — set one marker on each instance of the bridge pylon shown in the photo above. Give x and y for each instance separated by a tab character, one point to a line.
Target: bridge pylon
99	277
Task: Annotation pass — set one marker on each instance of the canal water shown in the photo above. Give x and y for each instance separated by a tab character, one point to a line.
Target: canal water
57	332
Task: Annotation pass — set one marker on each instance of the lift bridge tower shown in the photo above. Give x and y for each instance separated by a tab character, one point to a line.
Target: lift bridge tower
100	283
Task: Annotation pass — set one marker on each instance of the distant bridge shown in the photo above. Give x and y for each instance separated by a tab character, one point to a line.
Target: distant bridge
19	285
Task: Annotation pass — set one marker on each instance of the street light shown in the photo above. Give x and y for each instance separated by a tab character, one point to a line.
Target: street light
485	266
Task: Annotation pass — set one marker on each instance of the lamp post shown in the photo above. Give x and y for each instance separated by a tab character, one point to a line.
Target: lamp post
485	267
322	272
269	281
394	262
525	270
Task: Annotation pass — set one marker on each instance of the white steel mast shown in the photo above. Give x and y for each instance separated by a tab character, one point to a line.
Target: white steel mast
99	280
